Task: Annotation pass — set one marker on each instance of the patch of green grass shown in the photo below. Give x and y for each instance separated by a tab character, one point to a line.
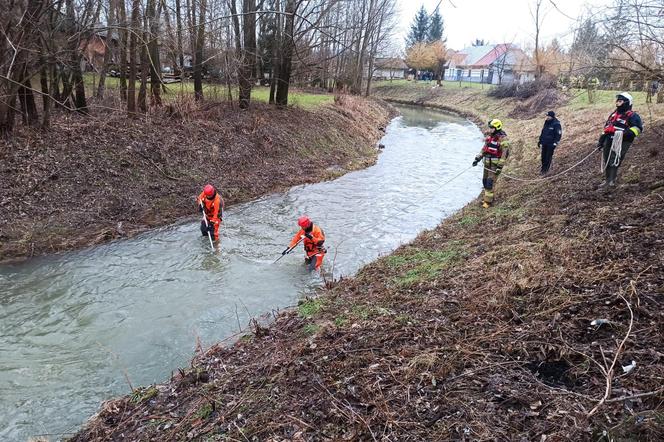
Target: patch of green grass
311	329
360	311
217	92
505	212
603	99
340	320
469	220
143	394
310	307
426	265
204	412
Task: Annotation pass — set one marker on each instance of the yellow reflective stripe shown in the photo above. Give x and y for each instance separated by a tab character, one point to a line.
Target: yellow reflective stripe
635	130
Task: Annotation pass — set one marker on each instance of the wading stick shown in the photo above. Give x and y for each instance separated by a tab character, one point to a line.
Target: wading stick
206	224
290	249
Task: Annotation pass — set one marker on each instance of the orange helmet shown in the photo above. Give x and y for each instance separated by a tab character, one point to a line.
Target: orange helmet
304	221
208	190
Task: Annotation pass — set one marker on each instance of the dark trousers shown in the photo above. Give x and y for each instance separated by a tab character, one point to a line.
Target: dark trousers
609	159
547	157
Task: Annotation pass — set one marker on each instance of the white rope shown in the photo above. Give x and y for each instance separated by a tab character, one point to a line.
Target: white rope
616	148
550	177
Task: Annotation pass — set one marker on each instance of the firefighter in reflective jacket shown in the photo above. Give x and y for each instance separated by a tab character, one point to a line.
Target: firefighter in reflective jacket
494	153
210	202
314	238
620	130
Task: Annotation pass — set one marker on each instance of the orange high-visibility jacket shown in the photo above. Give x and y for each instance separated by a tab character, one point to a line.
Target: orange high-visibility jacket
311	246
214	208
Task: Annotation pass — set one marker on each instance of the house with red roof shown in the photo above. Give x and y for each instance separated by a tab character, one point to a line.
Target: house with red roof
502	63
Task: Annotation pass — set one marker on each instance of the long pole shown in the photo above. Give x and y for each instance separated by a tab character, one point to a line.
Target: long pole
207	225
289	250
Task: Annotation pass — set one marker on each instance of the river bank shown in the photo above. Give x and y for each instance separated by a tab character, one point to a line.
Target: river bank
92	179
479	329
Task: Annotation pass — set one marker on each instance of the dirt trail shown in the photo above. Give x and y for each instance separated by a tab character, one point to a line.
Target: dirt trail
478	330
93	179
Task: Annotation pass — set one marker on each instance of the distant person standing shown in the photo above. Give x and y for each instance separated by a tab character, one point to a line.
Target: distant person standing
549	139
592	85
653	88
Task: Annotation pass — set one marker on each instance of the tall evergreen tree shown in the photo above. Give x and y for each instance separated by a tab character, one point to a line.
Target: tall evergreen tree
590	50
436	27
419	30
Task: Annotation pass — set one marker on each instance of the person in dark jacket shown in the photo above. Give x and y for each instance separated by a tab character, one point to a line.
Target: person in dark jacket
549	139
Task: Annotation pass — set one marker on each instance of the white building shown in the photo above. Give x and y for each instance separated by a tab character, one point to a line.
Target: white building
492	64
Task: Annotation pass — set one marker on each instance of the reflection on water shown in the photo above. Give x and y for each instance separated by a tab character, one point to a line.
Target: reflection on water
71	325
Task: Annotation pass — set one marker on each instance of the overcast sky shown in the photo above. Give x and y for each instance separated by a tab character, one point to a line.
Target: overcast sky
499	21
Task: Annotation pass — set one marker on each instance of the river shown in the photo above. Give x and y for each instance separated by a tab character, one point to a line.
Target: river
76	327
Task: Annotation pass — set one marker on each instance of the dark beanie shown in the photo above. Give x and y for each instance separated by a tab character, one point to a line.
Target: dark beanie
551	114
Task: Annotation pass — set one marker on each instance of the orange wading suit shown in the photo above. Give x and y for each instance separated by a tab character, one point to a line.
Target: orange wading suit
213	205
314	238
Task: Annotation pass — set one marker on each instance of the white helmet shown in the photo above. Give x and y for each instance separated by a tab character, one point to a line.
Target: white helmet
625	97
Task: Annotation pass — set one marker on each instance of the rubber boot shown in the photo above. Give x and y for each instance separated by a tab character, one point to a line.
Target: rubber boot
611	176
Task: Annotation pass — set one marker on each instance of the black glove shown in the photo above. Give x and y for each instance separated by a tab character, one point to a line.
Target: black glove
629	136
539	145
285	251
200	208
308	235
498	170
210	227
600	142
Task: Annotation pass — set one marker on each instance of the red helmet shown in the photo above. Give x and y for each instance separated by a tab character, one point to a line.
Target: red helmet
208	190
304	221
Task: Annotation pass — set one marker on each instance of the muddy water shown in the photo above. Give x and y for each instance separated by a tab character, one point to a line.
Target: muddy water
75	328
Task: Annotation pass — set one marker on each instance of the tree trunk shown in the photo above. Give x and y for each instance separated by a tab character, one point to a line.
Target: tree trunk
55	84
79	87
178	21
131	89
276	41
286	55
108	43
27	101
145	68
46	99
153	52
7	113
198	55
122	47
80	103
248	53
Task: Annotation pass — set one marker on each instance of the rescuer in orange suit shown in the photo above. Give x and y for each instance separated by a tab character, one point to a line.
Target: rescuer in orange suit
213	204
314	238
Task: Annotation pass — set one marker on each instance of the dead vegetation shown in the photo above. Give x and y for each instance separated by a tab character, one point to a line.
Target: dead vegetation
92	179
481	329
